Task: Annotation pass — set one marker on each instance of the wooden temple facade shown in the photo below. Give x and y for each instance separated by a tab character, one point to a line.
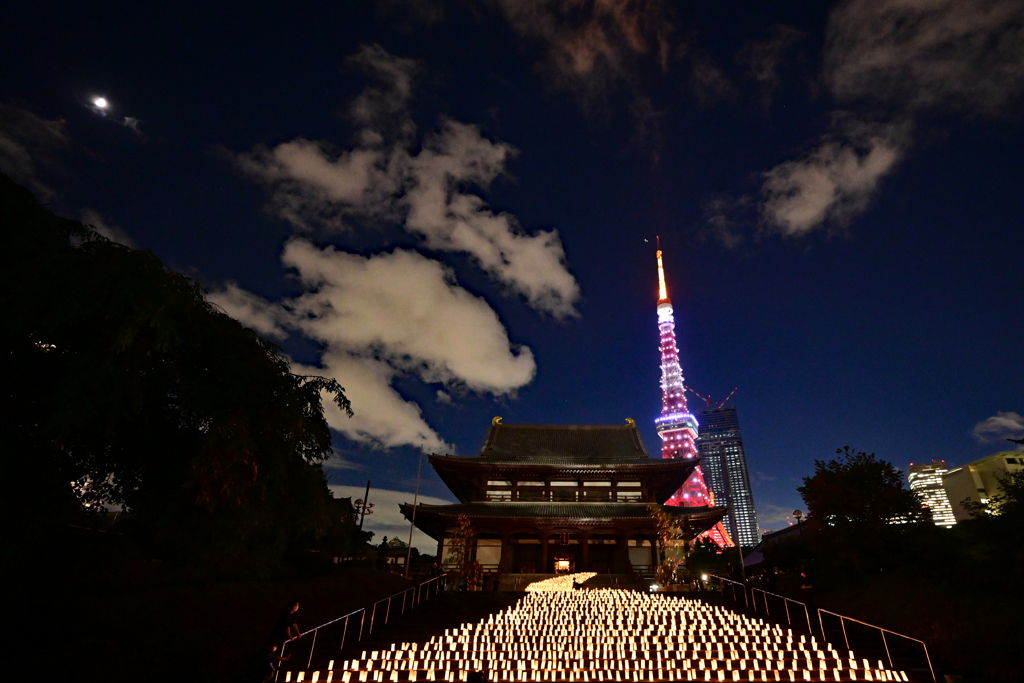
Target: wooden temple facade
553	498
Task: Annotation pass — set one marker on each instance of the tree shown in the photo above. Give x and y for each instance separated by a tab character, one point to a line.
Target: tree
129	383
460	542
674	536
858	492
706	556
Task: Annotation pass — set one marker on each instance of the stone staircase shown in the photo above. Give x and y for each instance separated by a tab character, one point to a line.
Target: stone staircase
586	636
520	582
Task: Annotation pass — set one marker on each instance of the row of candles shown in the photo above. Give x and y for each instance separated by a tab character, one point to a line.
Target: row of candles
533	641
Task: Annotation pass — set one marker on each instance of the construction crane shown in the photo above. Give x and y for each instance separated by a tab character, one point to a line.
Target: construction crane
707	399
727	397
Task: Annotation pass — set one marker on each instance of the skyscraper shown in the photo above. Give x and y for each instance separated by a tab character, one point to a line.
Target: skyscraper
724	466
676	426
926	481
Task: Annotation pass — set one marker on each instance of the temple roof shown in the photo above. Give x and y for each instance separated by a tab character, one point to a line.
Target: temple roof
433	518
563	444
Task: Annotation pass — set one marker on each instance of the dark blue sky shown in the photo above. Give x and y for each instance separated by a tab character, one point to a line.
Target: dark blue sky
887	316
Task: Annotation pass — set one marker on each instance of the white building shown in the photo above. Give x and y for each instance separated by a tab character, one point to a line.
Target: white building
977	480
926	481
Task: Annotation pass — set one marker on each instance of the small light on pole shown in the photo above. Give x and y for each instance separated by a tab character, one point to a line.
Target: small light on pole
798	515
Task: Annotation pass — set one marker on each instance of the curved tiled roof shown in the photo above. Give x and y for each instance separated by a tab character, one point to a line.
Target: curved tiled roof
563	444
433	519
562	510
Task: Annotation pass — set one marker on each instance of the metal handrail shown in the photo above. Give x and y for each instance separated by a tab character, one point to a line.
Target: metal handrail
735	583
842	621
413	603
807	614
752	602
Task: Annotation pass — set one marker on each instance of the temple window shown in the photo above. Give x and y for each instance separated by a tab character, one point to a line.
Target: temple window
499	482
494	495
563	495
530	483
597	483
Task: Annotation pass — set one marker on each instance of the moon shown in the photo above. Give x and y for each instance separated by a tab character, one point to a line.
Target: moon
100	102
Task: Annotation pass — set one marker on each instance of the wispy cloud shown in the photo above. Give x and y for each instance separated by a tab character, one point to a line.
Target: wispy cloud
380	180
104	227
29	148
912	55
381	316
886	62
834	182
763	59
1001	426
592	46
773	517
400	313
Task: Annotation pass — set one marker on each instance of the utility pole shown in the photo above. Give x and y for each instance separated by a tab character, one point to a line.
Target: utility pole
412	524
366	504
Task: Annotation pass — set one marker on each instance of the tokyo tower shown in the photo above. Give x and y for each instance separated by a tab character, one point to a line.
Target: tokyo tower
676	426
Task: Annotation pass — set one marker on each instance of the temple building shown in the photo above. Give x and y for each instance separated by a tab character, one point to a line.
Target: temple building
545	499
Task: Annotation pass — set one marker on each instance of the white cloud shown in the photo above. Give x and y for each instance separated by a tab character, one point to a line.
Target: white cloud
452	220
251	310
112	232
29	146
1001	426
387	519
381	417
763	58
408	310
316	186
773	517
831	184
896	59
381	316
926	53
336	462
591	44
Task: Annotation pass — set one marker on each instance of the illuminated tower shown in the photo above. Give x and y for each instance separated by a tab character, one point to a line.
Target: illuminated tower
677	427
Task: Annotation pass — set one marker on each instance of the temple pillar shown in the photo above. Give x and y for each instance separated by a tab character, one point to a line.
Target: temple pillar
622	553
544	551
506	553
585	560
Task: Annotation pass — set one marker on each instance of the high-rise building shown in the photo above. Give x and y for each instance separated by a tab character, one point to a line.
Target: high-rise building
926	481
978	480
724	465
676	426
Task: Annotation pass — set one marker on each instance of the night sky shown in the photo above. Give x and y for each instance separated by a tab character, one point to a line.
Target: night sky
452	208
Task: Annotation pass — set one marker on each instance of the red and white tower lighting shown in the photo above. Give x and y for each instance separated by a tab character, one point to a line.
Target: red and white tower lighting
676	426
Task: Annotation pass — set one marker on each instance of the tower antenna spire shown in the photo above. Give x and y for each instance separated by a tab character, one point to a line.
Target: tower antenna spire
677	426
662	289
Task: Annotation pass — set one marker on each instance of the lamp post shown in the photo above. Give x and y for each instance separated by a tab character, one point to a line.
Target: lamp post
412	522
798	515
363	506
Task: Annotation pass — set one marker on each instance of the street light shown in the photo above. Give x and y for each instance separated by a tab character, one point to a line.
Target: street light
798	515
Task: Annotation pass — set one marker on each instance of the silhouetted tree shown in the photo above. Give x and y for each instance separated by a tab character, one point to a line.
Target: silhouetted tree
128	383
858	492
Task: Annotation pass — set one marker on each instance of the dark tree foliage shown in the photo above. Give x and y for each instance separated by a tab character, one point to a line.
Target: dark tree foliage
859	492
706	556
124	380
